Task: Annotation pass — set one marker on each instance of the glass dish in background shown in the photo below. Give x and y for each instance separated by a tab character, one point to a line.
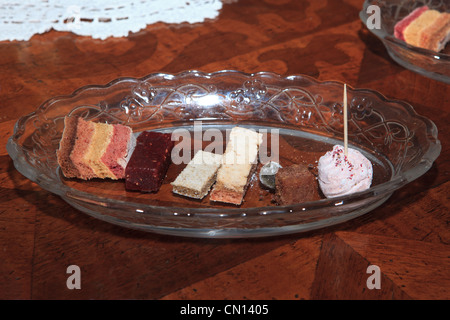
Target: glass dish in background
401	144
434	65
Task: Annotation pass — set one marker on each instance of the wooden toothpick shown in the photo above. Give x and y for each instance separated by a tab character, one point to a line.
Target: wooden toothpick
345	121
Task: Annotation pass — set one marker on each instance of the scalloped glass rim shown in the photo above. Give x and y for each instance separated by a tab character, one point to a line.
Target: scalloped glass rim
388	39
350	206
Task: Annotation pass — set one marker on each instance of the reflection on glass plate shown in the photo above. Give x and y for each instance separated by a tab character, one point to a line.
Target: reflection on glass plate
431	64
305	114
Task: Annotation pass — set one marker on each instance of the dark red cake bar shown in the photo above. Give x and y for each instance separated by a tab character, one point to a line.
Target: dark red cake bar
149	162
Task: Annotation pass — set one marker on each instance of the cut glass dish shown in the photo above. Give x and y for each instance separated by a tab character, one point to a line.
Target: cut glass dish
434	65
306	113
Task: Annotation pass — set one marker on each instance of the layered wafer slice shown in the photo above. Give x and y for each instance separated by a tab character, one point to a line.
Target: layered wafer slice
239	163
198	176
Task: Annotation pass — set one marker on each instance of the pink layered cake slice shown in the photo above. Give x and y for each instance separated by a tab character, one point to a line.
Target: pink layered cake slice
424	28
94	150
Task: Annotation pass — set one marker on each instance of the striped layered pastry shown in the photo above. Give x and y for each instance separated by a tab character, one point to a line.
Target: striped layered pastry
90	150
238	165
425	28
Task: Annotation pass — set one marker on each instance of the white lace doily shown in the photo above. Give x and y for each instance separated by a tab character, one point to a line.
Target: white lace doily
20	20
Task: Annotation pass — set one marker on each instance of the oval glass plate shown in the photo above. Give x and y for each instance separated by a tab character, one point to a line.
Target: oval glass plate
434	65
305	113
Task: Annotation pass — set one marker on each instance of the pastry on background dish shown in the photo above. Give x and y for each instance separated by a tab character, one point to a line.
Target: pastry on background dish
424	28
400	26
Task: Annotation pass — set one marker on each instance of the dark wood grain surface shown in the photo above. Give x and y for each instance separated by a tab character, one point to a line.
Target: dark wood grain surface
40	235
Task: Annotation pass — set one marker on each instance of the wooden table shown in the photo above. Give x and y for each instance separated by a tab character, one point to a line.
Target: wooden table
40	235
